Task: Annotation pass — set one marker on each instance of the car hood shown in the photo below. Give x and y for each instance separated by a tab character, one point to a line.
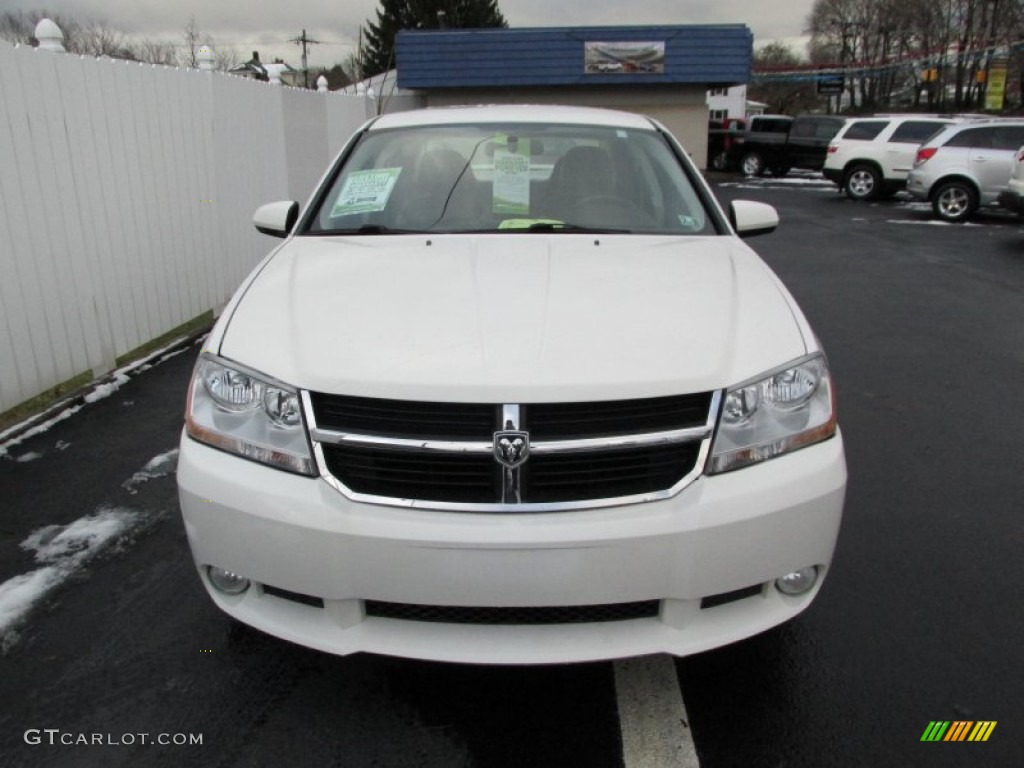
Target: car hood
512	318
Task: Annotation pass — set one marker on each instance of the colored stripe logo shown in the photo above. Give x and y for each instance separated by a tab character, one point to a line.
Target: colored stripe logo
958	730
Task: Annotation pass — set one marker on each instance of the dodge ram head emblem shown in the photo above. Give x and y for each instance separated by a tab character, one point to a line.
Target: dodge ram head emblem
511	447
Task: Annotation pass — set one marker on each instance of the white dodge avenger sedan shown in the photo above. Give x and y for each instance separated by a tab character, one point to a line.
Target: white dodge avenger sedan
512	389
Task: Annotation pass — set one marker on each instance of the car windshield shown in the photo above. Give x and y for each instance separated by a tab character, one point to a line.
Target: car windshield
510	178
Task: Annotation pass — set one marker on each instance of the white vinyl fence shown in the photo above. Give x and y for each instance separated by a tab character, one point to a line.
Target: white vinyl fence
126	196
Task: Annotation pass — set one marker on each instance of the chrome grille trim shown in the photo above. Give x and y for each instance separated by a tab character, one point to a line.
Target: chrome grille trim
703	434
536	446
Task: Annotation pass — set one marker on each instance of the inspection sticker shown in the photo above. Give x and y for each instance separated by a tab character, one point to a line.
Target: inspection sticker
366	191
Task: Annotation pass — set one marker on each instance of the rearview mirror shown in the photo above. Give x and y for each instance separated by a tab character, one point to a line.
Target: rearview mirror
749	218
276	219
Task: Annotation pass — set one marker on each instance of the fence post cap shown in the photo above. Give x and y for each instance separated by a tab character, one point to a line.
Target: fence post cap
49	36
206	58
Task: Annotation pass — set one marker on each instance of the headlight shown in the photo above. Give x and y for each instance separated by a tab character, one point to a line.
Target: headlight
784	410
247	413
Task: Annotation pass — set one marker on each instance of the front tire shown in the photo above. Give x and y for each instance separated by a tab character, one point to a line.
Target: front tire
863	182
752	164
720	162
954	201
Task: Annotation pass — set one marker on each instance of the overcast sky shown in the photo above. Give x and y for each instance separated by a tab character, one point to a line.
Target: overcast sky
266	26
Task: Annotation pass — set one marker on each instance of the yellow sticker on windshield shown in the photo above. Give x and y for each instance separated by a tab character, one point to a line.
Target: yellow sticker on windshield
527	223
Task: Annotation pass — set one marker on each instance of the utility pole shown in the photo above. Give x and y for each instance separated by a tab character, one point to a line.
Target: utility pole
304	42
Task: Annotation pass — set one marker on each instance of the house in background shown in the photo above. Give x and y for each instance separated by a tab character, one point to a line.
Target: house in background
257	70
726	103
253	68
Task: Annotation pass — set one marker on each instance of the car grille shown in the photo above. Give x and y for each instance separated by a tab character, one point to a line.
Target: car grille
554	614
442	454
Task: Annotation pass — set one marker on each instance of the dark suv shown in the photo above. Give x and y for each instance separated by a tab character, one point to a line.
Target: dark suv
778	143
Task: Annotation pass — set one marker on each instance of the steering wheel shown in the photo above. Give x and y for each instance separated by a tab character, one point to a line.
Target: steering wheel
610	211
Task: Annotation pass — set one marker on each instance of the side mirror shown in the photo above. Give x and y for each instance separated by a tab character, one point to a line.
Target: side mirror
749	218
276	219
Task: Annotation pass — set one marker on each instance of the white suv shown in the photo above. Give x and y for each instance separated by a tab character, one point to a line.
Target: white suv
512	390
966	166
870	157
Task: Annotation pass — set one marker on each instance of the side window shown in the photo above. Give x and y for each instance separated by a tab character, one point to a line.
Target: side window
803	128
972	137
1008	137
770	125
826	129
915	131
865	130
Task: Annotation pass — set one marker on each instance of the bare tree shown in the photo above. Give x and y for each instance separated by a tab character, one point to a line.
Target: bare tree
228	57
784	93
156	52
97	38
190	34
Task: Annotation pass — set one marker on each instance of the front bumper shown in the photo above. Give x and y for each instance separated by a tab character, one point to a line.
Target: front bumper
917	187
723	533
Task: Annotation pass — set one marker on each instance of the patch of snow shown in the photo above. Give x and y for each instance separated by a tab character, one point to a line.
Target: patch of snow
159	466
931	223
62	445
107	388
62	550
19	594
81	538
756	183
37	429
27	457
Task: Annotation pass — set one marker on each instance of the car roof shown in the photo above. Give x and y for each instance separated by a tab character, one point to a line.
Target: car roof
513	113
943	134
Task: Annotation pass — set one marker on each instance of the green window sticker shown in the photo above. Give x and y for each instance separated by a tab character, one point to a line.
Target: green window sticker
366	191
511	186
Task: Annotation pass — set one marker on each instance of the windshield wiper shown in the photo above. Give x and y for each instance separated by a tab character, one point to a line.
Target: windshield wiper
368	229
558	226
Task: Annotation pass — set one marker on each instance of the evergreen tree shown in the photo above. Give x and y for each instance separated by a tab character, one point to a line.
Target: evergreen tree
393	15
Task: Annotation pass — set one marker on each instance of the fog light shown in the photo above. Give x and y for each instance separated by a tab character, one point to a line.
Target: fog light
797	582
227	582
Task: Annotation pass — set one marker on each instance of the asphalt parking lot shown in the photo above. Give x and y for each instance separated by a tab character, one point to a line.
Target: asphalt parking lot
919	621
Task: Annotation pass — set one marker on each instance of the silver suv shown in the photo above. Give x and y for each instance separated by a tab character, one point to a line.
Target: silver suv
966	166
870	157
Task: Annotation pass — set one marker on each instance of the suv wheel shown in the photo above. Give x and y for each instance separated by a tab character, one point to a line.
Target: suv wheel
752	164
954	201
720	162
863	182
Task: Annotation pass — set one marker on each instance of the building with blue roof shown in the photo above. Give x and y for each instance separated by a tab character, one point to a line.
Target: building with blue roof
662	71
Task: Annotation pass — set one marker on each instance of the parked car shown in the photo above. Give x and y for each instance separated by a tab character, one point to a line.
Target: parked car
1013	196
467	413
778	143
871	157
966	166
722	135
